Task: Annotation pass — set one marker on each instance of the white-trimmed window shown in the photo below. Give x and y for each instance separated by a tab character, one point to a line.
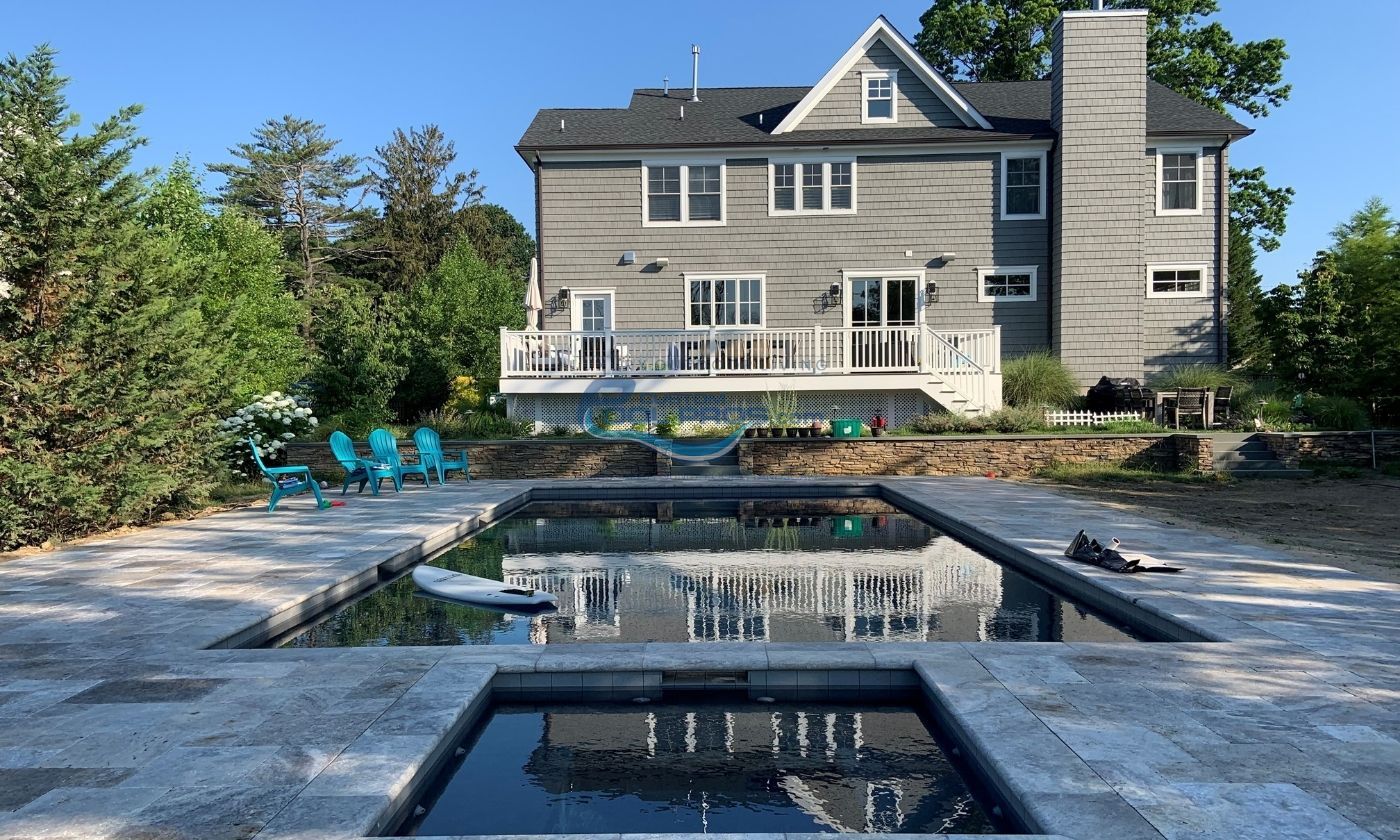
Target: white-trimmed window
1007	283
1179	181
811	186
879	96
682	193
1023	185
724	301
1176	280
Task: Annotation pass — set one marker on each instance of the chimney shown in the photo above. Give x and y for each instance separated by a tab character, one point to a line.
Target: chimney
1099	186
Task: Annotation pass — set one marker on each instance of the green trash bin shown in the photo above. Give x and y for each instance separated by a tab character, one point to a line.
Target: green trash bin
847	526
846	428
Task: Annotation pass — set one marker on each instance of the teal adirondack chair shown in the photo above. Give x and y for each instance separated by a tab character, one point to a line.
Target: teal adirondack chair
386	451
430	452
357	468
286	481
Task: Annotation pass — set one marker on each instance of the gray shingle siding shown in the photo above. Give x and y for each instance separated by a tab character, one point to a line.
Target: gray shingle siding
1099	108
1180	331
927	203
841	107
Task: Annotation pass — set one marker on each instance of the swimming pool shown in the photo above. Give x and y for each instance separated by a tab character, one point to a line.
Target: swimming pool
692	766
763	570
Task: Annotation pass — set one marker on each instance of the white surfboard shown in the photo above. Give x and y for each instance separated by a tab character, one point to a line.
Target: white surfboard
460	587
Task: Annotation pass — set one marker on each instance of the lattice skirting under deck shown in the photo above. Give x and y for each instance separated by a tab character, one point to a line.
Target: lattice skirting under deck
698	412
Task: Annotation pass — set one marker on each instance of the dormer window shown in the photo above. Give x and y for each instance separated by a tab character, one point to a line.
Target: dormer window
878	96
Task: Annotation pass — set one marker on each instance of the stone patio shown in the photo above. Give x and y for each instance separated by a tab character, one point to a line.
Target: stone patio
115	722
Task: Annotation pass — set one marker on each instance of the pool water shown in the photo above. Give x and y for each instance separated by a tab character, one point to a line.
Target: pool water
802	571
701	767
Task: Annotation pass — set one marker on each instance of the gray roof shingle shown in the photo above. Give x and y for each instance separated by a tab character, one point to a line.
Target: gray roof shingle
746	117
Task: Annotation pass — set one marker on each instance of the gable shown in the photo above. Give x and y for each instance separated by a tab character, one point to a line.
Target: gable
836	100
917	106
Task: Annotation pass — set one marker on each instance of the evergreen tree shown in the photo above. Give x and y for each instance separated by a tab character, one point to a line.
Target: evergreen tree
1243	297
291	179
233	268
420	200
498	238
107	378
358	362
1006	40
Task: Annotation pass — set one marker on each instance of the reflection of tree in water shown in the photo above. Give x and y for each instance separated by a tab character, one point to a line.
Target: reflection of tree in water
396	616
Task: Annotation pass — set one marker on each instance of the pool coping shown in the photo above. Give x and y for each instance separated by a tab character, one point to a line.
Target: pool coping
994	696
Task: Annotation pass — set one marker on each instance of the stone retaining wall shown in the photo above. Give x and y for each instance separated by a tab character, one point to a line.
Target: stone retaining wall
572	458
1011	456
1354	448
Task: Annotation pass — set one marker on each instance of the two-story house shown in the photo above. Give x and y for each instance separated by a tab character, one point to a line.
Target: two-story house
878	242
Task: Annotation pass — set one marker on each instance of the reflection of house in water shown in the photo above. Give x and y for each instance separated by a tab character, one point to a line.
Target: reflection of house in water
778	578
872	771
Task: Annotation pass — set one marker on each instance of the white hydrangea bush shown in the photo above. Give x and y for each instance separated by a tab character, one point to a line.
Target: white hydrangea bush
271	421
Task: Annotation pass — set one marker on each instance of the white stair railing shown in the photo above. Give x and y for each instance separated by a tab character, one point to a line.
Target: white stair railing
966	372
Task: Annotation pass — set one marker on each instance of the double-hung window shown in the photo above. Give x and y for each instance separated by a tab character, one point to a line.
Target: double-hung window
724	301
1023	185
813	186
682	193
1007	283
1178	182
879	92
1176	281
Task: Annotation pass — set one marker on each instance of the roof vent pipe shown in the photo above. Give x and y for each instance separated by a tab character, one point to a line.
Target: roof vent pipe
694	72
561	123
665	85
682	112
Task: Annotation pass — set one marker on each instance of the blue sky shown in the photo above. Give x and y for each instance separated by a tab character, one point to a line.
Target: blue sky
207	75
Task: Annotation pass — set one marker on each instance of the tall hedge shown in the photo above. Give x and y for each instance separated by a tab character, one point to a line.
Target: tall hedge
108	378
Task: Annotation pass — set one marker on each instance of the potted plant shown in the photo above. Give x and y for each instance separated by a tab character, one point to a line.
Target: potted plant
878	425
815	430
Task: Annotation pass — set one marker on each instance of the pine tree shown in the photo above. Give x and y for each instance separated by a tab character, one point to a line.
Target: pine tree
107	377
290	178
420	202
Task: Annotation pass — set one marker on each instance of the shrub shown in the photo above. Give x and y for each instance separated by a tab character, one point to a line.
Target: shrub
270	420
1193	376
668	425
464	394
1003	421
1038	379
474	425
1336	413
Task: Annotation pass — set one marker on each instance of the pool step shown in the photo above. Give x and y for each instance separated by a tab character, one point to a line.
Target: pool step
683	468
1245	456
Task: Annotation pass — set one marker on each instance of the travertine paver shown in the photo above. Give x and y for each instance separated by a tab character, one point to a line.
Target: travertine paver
115	723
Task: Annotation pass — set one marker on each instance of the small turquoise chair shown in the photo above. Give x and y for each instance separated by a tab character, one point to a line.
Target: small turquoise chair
386	452
430	452
286	481
357	468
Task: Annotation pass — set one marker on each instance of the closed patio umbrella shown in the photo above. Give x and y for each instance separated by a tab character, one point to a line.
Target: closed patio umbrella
534	301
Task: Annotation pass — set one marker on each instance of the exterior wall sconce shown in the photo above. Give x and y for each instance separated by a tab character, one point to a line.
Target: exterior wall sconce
931	291
563	294
835	291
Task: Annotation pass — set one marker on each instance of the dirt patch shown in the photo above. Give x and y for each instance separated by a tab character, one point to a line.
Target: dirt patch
1350	523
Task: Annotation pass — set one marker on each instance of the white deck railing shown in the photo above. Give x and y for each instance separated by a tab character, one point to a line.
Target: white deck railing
960	355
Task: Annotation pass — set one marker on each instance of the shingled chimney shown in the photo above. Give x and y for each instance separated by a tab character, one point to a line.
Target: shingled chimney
1101	185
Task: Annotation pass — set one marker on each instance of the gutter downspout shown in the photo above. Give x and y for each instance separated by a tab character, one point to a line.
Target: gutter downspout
1222	220
1050	198
539	235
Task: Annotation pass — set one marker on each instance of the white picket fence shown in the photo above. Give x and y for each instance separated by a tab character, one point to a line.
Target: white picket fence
1088	418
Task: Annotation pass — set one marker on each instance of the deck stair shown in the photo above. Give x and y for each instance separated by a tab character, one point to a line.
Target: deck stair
1246	456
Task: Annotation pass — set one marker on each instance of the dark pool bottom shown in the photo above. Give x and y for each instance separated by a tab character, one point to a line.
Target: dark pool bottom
699	766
